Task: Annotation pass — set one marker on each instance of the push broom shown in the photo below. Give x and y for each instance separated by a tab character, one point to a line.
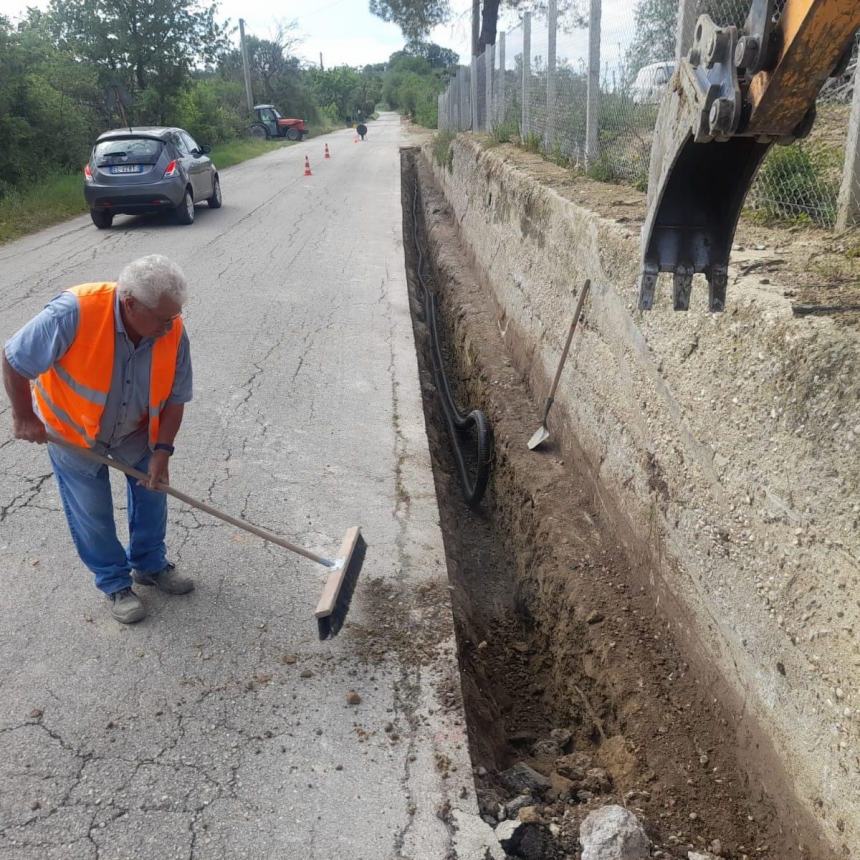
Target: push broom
343	571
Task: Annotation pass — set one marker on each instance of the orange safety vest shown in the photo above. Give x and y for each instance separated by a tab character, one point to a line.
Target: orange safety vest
73	392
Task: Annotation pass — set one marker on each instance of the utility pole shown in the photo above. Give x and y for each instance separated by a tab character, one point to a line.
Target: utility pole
245	67
322	67
476	25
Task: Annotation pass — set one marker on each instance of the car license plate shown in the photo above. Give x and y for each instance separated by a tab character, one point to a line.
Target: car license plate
125	168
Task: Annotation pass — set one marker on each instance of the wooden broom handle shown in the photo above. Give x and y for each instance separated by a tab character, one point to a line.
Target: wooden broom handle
194	503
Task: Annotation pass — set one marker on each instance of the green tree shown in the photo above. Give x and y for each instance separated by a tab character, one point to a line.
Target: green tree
436	55
149	47
654	24
416	18
412	86
346	91
50	104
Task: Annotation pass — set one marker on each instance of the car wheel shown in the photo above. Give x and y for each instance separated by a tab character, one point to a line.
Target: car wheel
215	200
101	218
293	134
185	210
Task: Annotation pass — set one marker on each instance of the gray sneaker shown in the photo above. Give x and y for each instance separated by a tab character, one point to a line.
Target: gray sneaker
126	606
169	580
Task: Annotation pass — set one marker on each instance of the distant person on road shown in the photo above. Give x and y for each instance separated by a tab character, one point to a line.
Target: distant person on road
361	128
107	366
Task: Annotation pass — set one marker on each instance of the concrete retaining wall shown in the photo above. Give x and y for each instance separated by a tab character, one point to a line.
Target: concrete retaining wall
727	445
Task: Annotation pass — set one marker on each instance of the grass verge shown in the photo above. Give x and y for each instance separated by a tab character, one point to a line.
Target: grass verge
443	153
61	196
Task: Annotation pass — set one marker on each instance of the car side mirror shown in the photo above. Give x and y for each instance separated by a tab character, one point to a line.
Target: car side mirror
205	149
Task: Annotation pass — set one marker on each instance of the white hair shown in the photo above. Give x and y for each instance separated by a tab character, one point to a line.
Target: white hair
149	278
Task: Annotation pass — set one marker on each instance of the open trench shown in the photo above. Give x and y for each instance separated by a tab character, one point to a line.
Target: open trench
565	664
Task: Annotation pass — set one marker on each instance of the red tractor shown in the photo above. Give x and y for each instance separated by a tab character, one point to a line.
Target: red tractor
269	123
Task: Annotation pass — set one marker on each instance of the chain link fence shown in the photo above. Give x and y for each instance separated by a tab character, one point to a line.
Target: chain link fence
585	92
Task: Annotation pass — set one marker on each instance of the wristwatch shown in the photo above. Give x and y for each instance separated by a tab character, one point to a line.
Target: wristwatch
163	446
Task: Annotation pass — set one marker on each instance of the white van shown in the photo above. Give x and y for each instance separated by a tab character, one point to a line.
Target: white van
651	82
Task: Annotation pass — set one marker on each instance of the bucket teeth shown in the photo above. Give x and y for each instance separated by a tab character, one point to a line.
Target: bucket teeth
718	279
682	284
647	286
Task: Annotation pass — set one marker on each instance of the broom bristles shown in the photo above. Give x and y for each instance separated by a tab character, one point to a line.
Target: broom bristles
330	618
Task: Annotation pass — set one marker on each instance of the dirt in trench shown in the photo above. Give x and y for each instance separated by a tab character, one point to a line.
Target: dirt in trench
566	666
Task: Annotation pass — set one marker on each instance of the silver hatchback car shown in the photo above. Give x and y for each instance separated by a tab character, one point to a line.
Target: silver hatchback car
149	169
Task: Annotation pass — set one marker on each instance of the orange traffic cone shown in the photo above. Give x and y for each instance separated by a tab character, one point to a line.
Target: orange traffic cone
327	154
307	167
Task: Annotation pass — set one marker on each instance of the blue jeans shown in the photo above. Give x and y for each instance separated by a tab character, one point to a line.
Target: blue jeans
87	501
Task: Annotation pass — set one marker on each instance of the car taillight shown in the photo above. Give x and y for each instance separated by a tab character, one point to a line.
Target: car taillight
88	174
172	169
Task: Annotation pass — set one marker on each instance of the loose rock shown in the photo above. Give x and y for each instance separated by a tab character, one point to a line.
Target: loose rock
597	780
523	779
613	833
573	766
506	830
560	787
352	698
529	815
546	749
561	736
528	841
512	807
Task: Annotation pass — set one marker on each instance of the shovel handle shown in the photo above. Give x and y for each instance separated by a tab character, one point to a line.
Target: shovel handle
546	408
581	301
194	503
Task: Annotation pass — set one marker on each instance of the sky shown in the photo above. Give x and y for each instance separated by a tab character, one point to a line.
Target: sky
346	33
343	30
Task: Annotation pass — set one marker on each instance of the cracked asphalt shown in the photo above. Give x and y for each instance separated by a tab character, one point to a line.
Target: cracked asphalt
219	727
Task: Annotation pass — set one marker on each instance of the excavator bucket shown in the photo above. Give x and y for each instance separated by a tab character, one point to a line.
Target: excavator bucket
699	174
736	94
695	195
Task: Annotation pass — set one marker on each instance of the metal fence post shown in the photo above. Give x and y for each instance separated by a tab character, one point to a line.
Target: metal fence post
463	115
473	93
489	58
502	83
527	73
684	24
467	98
592	107
552	26
848	212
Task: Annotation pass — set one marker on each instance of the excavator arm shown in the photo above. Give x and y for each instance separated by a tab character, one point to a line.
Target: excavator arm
736	94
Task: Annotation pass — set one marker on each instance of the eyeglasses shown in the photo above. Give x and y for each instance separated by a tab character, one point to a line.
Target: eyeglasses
157	317
165	320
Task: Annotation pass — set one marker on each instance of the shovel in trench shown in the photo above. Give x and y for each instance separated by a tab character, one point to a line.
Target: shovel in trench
542	433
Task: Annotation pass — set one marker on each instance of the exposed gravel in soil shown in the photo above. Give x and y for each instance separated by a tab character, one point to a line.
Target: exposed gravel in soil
566	667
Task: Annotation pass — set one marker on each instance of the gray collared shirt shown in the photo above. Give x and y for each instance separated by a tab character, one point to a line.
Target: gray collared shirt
123	431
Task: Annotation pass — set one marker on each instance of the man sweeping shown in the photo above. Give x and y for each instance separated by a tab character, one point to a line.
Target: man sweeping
107	366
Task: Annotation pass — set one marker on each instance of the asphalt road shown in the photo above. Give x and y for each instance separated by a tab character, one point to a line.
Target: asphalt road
219	727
